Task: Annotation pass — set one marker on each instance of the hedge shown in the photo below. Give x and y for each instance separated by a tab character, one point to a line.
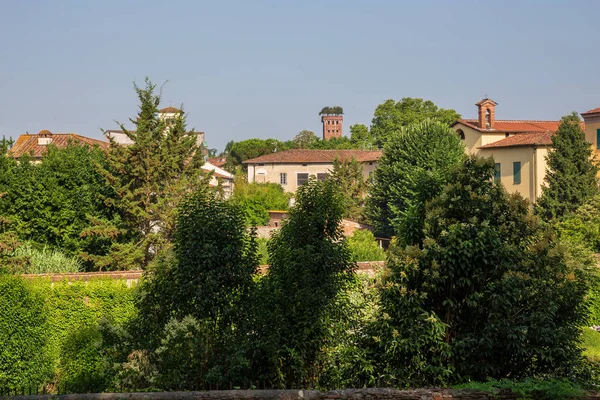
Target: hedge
40	320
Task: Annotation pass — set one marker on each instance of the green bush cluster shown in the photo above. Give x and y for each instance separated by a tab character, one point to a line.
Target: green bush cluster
45	260
364	247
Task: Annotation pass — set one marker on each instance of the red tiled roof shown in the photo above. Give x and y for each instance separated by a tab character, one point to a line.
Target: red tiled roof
523	139
512	126
594	111
170	110
28	143
316	156
217	161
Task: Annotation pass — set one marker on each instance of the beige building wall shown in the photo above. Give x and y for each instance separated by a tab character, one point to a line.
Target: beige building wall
533	168
271	172
472	138
592	125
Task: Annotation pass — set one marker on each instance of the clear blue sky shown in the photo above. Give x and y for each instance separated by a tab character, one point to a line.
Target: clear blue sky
263	68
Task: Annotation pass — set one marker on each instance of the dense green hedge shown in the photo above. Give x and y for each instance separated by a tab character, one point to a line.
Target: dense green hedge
41	321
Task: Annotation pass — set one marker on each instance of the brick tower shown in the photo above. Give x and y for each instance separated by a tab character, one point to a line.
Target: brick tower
486	110
332	125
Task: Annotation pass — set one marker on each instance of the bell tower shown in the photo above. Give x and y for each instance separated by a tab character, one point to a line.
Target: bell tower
486	110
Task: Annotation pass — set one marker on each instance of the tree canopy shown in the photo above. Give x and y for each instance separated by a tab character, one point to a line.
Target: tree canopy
413	169
390	116
335	110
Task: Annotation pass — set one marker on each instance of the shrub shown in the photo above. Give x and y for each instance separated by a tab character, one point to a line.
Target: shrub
364	247
530	389
83	367
24	358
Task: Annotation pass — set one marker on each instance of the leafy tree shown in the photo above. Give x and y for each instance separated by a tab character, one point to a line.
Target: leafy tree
334	143
361	137
347	175
390	116
205	285
310	264
413	169
489	294
149	179
335	110
304	139
251	148
256	199
571	172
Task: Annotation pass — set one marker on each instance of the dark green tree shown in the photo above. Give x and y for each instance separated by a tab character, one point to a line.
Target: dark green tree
390	116
334	110
148	179
489	294
251	148
205	284
571	171
413	169
310	264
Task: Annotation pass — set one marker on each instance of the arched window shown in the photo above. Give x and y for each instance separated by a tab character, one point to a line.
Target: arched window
487	119
461	134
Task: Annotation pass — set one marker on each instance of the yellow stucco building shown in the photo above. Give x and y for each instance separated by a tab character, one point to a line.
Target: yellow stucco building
519	147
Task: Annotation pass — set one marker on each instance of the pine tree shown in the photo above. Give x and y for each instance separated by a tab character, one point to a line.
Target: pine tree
149	179
571	172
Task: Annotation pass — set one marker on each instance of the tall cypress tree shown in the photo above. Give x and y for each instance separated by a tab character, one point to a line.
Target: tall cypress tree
149	179
571	171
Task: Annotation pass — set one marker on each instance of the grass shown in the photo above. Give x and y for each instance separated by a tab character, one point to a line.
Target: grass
591	344
46	260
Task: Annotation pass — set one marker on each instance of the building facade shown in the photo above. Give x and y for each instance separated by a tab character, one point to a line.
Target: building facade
292	168
332	125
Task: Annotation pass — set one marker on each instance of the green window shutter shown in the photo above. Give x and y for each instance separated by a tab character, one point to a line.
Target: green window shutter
497	173
598	138
517	172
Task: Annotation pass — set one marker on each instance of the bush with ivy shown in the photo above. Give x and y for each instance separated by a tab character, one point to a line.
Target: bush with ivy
25	361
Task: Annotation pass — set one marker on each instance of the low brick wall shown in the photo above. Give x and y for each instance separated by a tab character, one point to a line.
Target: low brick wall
368	267
348	394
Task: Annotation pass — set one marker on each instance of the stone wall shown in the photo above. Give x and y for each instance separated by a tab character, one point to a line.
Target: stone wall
348	394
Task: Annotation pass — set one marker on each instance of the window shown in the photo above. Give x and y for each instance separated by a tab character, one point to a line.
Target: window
506	134
461	134
598	138
497	173
302	179
283	178
517	173
322	176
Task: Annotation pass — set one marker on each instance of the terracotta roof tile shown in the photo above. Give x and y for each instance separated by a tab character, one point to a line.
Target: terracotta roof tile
594	111
315	156
170	110
523	139
217	161
28	143
512	126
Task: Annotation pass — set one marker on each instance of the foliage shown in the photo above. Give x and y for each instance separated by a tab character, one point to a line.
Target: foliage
335	110
304	139
534	389
263	254
148	179
489	294
361	137
24	358
347	176
83	368
390	116
583	225
208	278
591	344
364	247
309	265
256	199
252	148
45	260
415	165
184	353
571	171
334	143
51	203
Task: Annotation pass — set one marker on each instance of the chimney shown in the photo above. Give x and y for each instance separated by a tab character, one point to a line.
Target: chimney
486	110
